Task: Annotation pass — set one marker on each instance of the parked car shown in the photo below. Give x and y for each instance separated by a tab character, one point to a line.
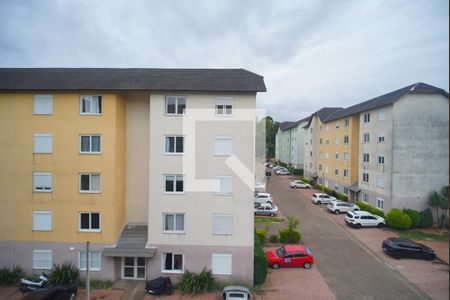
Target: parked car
276	167
319	198
360	219
260	187
405	248
235	292
341	206
53	292
290	256
263	198
282	172
266	209
299	184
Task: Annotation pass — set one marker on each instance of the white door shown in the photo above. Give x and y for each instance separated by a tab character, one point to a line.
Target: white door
133	267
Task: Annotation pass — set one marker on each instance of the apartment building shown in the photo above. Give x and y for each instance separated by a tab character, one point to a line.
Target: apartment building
289	143
312	134
140	162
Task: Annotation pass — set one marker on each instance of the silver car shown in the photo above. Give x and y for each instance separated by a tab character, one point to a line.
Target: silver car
266	209
341	206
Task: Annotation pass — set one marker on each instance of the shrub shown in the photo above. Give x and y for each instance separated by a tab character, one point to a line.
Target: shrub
366	207
261	235
259	263
306	180
194	284
288	236
397	219
426	218
414	215
342	196
298	172
273	238
65	273
10	277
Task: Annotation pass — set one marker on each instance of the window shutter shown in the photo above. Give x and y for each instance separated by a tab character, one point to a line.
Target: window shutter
42	220
223	145
42	143
42	259
43	104
221	264
222	224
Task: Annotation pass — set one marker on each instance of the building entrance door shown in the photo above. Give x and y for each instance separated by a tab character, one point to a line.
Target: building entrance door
133	268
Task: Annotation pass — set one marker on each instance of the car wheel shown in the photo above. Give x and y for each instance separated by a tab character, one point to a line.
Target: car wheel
318	202
307	265
397	255
380	225
336	212
276	266
272	215
72	296
358	226
429	257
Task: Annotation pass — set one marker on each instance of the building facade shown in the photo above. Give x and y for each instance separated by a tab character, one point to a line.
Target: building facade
140	162
289	143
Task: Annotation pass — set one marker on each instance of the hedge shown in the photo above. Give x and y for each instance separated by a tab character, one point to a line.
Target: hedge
259	263
288	236
397	219
306	180
366	207
261	235
414	215
298	172
426	218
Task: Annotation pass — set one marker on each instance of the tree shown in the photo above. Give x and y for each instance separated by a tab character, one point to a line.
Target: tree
434	200
271	129
443	205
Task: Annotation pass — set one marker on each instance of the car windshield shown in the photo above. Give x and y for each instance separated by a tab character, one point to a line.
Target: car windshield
281	252
308	250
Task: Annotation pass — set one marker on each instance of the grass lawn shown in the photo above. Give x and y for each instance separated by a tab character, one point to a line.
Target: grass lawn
419	235
269	219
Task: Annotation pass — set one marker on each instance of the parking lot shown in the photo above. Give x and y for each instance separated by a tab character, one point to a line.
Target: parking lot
351	262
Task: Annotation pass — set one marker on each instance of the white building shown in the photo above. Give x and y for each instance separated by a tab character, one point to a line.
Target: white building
289	143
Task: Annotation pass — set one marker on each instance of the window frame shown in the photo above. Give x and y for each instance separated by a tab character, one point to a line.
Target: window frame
224	232
174	214
175	136
174	192
367	117
365	177
172	271
381	115
380	200
366	137
99	97
90	213
345	173
90	191
366	158
42	251
218	190
347	122
223	137
44	190
90	135
177	98
90	261
38	135
346	139
42	97
222	256
224	102
381	160
42	212
380	181
381	138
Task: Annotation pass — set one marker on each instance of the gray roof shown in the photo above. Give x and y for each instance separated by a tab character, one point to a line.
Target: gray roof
218	80
389	98
287	125
132	242
323	114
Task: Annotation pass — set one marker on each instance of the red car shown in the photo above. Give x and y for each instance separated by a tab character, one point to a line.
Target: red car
290	256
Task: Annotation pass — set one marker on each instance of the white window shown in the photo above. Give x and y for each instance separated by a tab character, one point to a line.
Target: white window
366	197
380	203
221	264
175	105
380	181
366	137
174	183
381	159
91	105
366	157
95	259
346	122
42	220
224	106
327	141
173	222
336	155
327	155
336	172
345	172
345	155
172	263
320	154
320	167
90	183
222	224
367	118
89	221
43	143
366	177
224	184
346	139
90	143
326	169
381	115
42	259
381	138
223	145
42	182
327	127
337	124
173	144
336	140
43	104
320	141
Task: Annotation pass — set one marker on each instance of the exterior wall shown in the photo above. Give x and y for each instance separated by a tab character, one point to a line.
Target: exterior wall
311	142
284	146
298	152
137	157
199	207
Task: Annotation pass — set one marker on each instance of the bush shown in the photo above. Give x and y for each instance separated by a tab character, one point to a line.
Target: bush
366	207
426	218
65	273
288	236
397	219
259	263
194	284
342	196
306	180
261	235
298	172
273	238
10	277
414	215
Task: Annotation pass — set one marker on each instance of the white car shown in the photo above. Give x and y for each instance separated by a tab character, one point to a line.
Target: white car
360	219
263	198
260	187
320	198
266	209
276	167
282	172
299	184
341	206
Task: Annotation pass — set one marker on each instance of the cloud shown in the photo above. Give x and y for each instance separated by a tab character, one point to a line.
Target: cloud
311	53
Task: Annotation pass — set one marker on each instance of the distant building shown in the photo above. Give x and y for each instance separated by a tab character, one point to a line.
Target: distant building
289	143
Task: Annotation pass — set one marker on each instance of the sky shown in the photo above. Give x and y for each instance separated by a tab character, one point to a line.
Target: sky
312	54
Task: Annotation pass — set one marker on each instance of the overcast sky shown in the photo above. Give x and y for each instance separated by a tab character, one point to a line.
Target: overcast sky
311	53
